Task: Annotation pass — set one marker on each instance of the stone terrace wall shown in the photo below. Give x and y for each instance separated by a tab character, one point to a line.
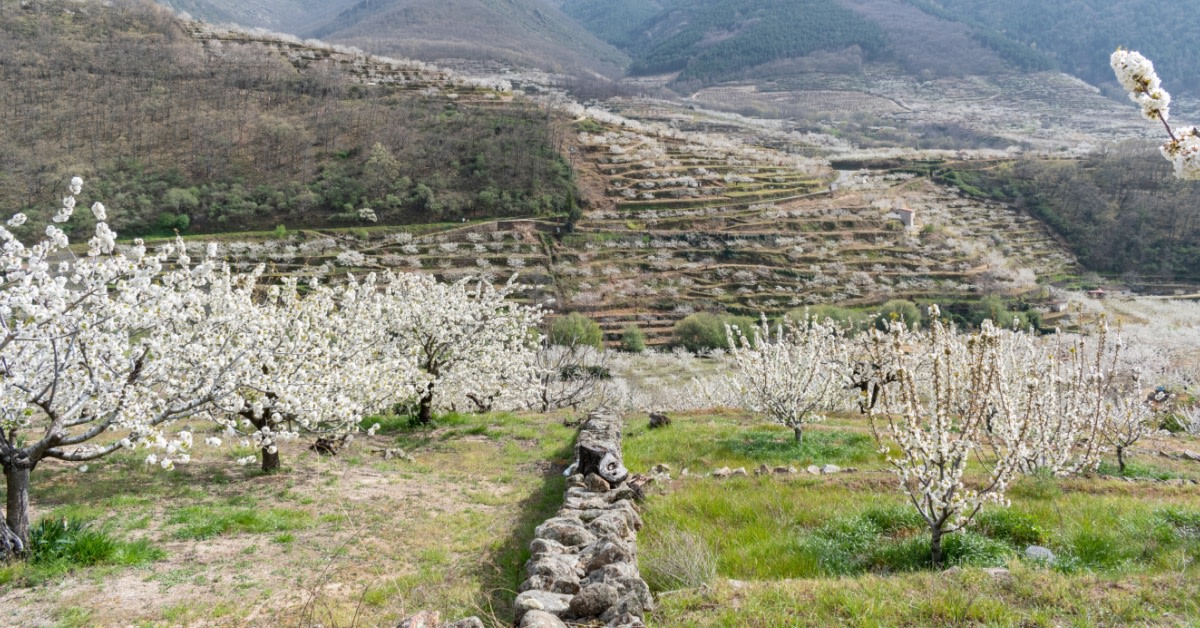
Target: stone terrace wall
583	571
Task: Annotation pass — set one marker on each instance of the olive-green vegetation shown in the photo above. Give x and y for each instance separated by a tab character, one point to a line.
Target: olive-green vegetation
704	330
576	330
633	339
177	132
1121	210
833	549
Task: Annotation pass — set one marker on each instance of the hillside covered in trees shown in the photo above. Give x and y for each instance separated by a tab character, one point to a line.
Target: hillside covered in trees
1121	210
182	128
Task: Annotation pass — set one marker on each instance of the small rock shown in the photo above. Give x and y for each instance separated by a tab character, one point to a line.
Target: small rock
830	468
546	546
660	468
423	619
627	620
1039	553
740	472
546	583
849	470
952	571
608	554
723	472
683	473
568	531
575	481
596	483
781	470
762	470
1191	455
997	572
1177	482
629	604
814	469
541	619
554	566
736	584
593	600
533	600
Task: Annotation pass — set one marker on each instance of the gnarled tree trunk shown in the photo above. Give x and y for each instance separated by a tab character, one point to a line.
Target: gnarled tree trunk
14	527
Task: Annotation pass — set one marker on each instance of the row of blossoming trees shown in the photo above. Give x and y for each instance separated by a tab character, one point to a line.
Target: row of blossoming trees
941	399
100	352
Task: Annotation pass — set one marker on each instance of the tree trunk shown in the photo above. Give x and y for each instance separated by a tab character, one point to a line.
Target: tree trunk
270	461
1121	458
14	530
935	546
798	431
425	410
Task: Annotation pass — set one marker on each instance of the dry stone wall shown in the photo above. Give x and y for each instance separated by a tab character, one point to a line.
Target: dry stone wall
584	571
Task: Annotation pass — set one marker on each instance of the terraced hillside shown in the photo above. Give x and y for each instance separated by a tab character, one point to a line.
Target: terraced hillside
680	221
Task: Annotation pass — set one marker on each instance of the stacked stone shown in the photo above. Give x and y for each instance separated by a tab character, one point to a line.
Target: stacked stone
584	564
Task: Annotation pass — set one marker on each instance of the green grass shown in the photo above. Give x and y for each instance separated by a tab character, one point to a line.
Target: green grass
60	545
849	549
717	441
206	521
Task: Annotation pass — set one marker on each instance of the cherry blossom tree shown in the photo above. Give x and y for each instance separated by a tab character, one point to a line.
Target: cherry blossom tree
316	364
790	372
92	350
937	412
470	342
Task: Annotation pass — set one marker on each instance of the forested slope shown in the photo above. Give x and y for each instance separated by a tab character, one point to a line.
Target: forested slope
1079	35
1121	211
214	131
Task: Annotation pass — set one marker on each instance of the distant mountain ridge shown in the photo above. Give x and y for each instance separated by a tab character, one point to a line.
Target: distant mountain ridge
520	32
709	41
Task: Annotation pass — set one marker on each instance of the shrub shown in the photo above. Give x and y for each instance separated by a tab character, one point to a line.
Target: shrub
704	331
633	339
576	330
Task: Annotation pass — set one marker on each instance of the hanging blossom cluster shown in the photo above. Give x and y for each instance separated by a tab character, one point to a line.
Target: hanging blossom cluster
1136	74
790	373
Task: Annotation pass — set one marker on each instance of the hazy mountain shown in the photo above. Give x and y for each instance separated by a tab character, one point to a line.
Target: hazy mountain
1079	35
285	16
523	32
708	41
